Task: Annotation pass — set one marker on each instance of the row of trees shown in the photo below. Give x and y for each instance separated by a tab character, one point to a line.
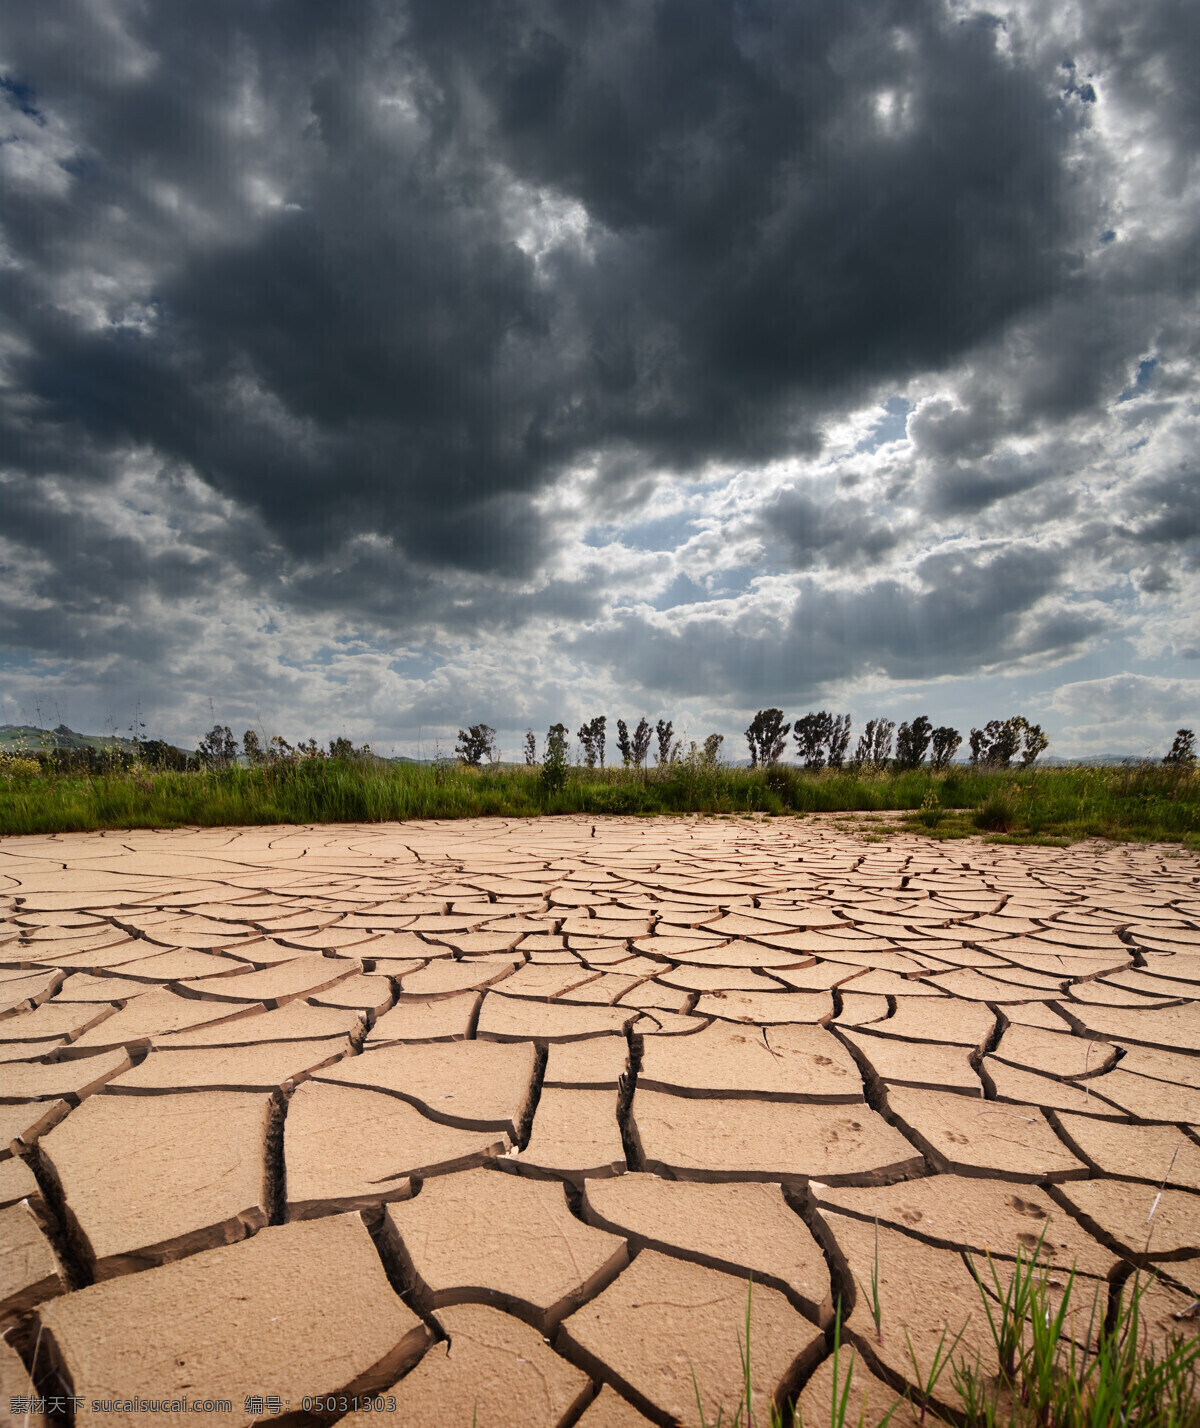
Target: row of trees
219	749
479	742
823	740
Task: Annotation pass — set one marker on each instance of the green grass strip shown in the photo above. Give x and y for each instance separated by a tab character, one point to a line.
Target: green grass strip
1053	805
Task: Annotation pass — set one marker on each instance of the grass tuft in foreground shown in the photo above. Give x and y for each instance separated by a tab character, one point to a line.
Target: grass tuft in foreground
1046	1378
1044	805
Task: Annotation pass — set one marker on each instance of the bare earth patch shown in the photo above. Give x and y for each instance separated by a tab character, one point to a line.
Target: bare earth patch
498	1120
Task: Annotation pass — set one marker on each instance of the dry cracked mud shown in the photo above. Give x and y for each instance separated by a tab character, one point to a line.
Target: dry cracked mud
501	1120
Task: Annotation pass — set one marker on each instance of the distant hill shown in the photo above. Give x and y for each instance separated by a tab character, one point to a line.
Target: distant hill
1097	760
61	738
26	736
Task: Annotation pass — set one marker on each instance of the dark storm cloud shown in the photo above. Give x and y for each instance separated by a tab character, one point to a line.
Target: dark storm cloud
770	245
763	248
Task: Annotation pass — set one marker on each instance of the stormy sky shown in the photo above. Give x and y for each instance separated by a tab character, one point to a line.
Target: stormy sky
377	368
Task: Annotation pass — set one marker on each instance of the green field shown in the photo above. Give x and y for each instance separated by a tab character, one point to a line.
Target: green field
1143	801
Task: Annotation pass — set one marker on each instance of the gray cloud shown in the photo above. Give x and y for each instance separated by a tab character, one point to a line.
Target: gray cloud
840	533
966	490
1166	509
726	164
1010	603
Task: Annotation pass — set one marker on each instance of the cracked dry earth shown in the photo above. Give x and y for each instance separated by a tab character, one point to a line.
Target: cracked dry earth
492	1121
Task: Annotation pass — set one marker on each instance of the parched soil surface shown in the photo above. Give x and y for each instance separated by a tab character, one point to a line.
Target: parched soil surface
497	1121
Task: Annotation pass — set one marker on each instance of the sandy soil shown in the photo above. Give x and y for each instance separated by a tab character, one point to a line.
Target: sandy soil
498	1120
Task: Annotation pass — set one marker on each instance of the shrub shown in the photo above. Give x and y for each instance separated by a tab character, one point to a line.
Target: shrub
931	811
530	748
554	765
14	762
996	815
